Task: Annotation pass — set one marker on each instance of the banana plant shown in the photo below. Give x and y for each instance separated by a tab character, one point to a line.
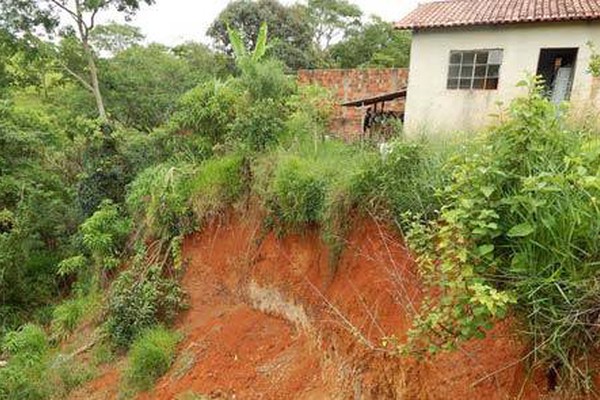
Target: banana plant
243	57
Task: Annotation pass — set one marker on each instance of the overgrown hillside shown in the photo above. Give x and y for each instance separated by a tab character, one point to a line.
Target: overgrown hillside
503	225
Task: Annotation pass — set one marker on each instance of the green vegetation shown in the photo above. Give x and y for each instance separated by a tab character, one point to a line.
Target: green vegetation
594	67
93	211
517	231
150	357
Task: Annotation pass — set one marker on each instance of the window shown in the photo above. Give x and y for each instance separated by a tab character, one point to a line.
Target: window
477	69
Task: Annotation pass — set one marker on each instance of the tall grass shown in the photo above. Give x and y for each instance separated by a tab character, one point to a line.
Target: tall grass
150	357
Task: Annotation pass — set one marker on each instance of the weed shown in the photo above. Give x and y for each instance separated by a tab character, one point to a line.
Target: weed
150	357
68	315
519	226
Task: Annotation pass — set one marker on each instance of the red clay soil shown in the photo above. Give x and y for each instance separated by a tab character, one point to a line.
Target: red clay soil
269	319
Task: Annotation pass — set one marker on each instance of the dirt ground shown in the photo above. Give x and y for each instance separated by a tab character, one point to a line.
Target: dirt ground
270	318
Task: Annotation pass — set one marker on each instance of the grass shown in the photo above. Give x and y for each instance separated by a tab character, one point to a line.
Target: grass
151	355
68	315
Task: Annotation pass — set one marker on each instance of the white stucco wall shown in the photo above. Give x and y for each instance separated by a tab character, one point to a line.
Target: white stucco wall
431	108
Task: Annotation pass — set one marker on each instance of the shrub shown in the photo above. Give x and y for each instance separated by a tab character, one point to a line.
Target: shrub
260	125
311	109
265	80
519	225
209	110
150	357
139	299
104	235
25	375
158	201
296	194
29	341
105	171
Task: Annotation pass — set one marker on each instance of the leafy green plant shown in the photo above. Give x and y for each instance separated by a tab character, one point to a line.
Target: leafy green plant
104	235
297	193
140	299
208	110
151	355
594	66
518	227
158	201
24	377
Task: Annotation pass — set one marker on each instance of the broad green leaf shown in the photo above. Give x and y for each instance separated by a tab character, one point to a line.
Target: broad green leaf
485	249
521	230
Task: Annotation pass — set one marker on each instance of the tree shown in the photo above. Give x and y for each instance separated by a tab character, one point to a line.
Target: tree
203	61
290	31
26	15
330	19
375	44
145	99
114	38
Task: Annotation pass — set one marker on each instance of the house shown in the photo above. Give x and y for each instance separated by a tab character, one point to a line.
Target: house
468	55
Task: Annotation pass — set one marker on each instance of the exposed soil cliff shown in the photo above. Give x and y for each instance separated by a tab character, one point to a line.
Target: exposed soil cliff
269	319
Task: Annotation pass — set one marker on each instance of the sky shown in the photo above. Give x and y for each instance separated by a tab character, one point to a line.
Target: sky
175	21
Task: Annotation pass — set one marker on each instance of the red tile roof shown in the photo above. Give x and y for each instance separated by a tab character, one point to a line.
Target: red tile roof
489	12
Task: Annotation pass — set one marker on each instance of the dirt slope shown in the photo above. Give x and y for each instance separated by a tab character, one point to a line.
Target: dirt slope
269	319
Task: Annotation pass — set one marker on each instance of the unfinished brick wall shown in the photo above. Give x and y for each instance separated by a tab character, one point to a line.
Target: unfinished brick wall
354	84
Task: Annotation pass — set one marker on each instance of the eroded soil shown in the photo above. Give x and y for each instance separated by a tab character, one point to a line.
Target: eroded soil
270	318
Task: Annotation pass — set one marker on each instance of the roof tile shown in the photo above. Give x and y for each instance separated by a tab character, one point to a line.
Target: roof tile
447	13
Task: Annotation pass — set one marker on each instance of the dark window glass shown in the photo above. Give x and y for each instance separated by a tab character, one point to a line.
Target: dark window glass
455	58
466	72
452	83
453	72
478	83
493	71
491	83
482	57
465	84
468	58
480	71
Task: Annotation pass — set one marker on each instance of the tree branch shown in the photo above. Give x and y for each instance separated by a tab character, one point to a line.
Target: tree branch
93	19
65	8
77	77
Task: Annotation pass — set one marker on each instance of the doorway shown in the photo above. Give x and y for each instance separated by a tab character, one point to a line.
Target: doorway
557	68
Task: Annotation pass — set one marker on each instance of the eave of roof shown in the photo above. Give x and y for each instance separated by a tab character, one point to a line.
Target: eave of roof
462	13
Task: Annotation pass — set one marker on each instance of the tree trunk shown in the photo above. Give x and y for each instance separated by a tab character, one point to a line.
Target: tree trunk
95	83
84	34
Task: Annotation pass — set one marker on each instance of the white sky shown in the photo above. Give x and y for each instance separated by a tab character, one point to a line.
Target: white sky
174	21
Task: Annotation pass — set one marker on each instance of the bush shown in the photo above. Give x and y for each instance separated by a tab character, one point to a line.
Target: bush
104	235
140	299
519	225
29	341
150	357
105	174
209	110
25	375
296	194
260	125
158	201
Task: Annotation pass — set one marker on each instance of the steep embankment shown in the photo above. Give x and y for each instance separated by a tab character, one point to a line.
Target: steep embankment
269	319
